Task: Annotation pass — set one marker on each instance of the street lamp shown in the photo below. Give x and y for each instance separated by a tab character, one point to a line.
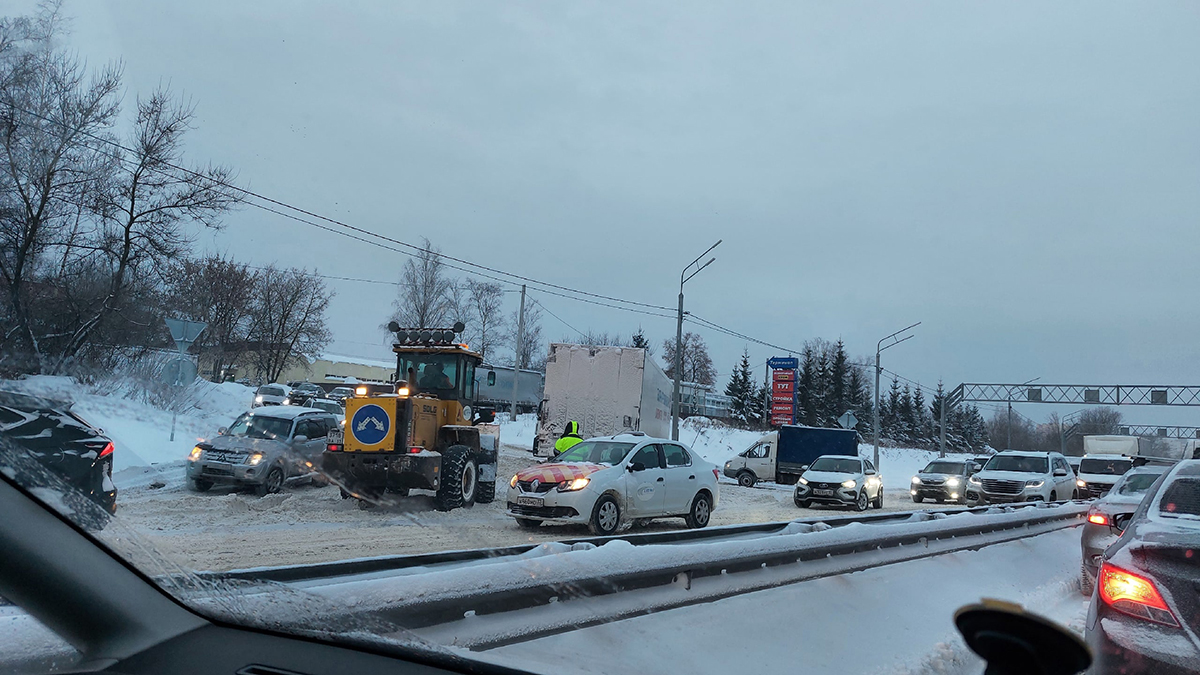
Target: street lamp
1008	444
879	347
684	277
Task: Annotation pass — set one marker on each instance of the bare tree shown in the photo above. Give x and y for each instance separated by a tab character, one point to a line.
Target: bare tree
426	291
51	113
485	315
145	204
533	347
288	319
219	292
696	364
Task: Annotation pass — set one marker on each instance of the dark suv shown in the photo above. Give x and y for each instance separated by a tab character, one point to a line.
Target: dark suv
63	442
942	480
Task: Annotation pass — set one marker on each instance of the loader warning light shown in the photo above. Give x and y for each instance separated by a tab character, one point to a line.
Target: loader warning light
426	336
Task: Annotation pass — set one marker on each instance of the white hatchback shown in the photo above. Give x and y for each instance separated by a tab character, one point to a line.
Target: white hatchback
615	481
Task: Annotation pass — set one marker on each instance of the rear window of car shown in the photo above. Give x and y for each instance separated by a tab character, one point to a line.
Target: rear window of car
1181	499
676	455
1137	483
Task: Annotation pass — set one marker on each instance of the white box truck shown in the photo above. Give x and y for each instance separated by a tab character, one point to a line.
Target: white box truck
608	390
1106	459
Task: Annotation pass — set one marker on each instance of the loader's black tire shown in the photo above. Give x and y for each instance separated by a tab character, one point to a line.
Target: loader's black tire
460	479
485	493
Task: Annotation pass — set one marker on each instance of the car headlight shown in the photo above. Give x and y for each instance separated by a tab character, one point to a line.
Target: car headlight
255	459
287	401
1035	483
258	399
850	484
974	480
573	485
916	480
513	482
952	482
195	454
1080	483
802	481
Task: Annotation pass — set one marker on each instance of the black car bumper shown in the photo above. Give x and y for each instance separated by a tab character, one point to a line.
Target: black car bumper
938	492
1124	644
378	471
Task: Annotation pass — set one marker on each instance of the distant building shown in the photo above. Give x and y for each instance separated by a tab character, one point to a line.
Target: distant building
339	369
700	400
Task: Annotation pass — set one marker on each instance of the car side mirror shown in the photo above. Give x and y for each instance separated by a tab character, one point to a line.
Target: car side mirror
222	431
636	466
491	378
1059	472
869	472
804	467
299	438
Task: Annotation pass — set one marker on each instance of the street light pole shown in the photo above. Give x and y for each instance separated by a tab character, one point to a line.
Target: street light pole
1008	444
879	347
683	279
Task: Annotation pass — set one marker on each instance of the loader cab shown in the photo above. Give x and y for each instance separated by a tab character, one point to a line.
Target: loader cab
447	375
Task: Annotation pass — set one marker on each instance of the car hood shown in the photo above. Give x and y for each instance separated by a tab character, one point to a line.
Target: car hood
1009	475
557	472
938	476
829	476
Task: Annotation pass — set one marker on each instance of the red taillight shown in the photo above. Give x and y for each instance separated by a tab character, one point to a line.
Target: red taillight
1134	595
415	449
716	474
108	450
333	447
1098	519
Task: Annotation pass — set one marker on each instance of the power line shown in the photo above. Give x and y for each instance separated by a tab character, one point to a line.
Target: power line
334	221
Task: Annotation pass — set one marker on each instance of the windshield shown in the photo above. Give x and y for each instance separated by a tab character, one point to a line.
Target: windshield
596	452
1105	466
249	425
854	240
943	467
1017	463
1137	483
837	465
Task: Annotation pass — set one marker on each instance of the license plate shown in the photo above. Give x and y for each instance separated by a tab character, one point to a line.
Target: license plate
823	493
530	501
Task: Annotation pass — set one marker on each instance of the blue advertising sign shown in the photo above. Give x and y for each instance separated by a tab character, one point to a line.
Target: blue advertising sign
783	362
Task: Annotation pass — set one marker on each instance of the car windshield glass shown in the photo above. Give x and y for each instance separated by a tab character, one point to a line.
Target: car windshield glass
837	465
258	426
944	467
596	452
1018	463
272	390
1137	483
1105	466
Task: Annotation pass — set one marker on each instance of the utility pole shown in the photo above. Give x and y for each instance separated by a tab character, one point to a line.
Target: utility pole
767	395
879	347
519	351
683	279
942	415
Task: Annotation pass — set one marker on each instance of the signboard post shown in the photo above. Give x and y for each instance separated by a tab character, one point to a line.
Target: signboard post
181	371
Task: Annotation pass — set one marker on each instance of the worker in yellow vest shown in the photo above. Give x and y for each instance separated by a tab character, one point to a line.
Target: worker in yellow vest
569	438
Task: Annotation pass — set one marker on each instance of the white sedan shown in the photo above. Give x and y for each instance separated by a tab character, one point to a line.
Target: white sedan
614	481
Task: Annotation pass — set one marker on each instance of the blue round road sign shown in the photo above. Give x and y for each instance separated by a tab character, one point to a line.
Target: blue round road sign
370	424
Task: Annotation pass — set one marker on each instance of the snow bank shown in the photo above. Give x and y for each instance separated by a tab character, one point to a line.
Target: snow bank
140	431
520	433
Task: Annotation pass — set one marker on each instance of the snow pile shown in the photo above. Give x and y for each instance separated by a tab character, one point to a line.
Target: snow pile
519	433
140	431
714	441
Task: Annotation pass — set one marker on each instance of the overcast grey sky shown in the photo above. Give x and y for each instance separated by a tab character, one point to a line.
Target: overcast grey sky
1022	177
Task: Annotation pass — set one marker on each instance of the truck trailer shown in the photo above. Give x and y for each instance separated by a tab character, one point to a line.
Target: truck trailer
607	390
781	456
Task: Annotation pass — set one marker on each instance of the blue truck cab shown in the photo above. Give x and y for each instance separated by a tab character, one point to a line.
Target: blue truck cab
781	456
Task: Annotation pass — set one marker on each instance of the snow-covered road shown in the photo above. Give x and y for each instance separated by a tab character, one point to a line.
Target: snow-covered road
890	619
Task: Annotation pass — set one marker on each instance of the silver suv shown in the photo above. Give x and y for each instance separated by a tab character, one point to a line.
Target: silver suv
263	449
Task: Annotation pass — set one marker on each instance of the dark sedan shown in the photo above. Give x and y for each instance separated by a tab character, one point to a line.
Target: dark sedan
1145	613
63	442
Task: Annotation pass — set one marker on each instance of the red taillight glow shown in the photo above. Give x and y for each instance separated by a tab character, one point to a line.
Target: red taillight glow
716	474
333	447
1098	519
108	450
1133	594
415	449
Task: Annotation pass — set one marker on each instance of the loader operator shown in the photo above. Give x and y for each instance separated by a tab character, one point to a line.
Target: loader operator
569	438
